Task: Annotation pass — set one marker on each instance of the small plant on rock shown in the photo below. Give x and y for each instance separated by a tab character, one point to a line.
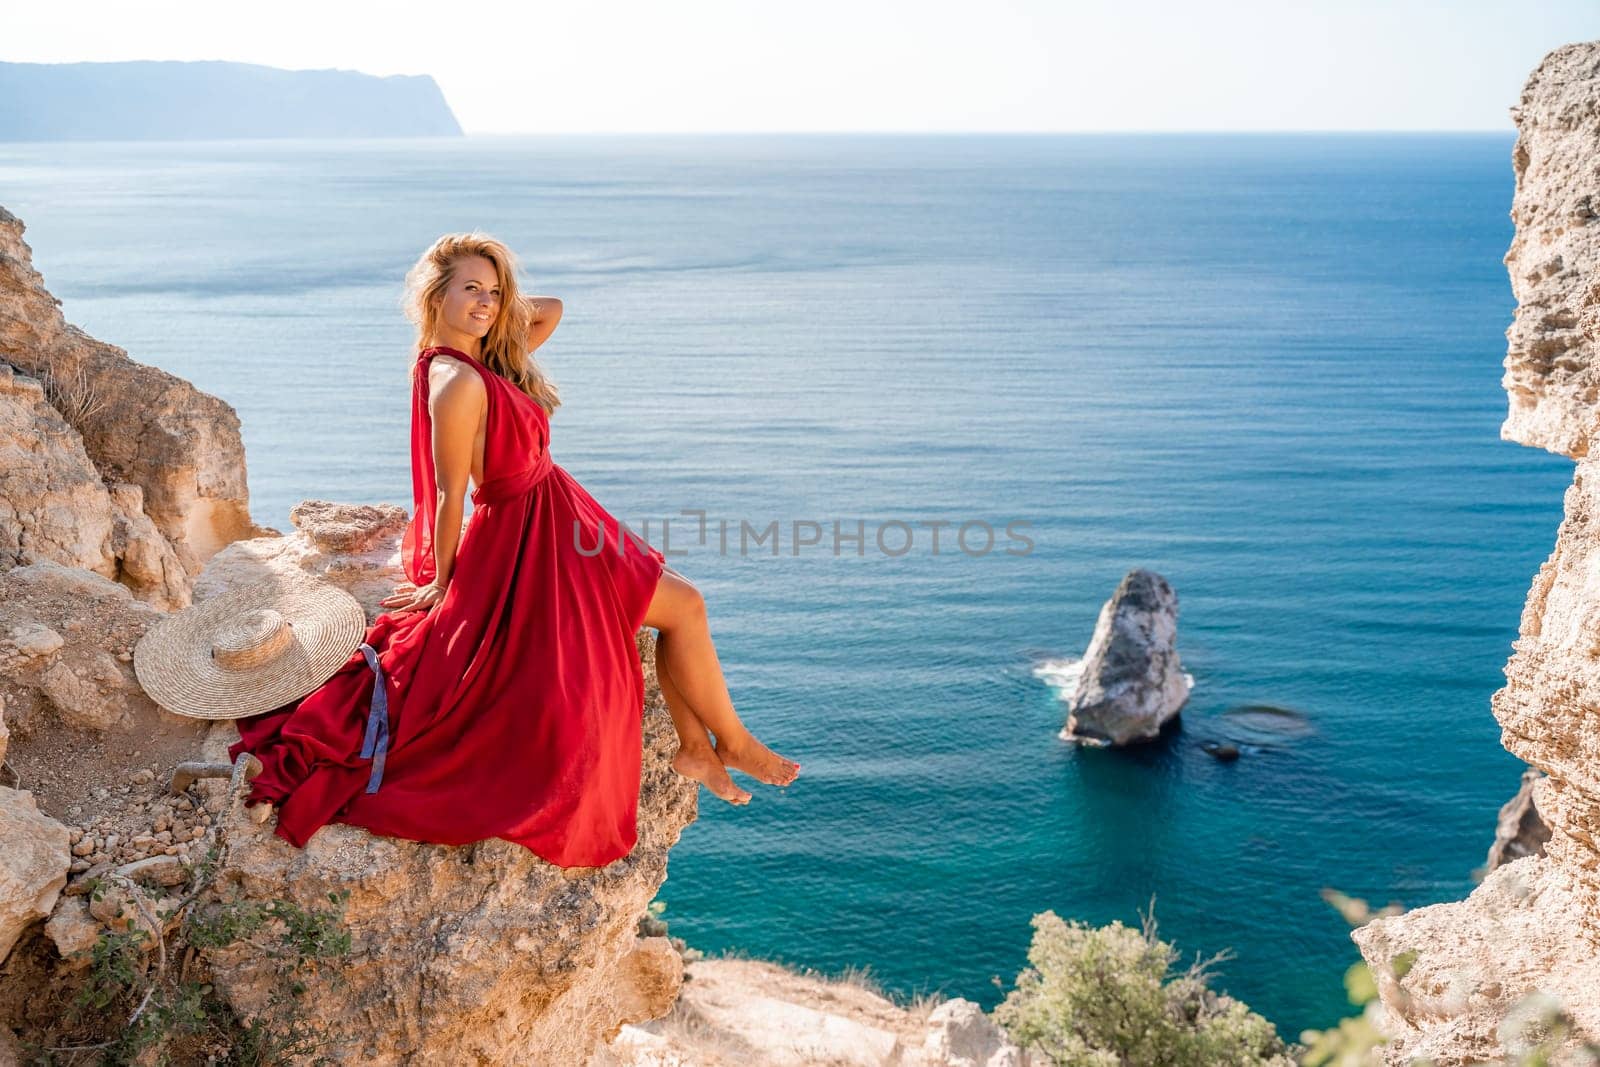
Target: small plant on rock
1103	997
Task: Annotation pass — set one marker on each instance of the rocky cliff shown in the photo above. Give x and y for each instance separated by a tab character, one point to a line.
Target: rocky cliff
1534	922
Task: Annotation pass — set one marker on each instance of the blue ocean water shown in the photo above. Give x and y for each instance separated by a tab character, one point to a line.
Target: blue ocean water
1265	366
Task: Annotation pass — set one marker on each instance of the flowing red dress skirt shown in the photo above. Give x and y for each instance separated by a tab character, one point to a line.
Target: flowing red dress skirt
512	708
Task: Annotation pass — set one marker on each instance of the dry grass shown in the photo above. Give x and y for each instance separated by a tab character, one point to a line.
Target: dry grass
684	1028
918	1006
72	393
696	1027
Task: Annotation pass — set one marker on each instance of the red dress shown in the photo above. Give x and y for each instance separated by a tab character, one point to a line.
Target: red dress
512	707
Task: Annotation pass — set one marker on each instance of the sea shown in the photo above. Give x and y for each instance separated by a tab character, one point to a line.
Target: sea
906	409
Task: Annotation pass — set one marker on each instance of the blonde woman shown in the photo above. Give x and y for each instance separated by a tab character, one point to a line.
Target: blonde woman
501	693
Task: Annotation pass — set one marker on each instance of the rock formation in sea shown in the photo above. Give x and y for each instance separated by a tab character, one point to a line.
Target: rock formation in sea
123	497
1133	682
1533	923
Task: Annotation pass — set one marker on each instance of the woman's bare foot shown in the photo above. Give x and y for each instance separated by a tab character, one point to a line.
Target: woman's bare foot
704	766
744	753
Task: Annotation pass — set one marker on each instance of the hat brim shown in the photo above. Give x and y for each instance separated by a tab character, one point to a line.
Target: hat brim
174	664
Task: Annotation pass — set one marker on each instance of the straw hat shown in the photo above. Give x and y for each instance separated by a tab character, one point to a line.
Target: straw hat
249	650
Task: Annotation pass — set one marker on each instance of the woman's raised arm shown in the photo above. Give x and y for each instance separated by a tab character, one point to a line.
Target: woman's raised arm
546	314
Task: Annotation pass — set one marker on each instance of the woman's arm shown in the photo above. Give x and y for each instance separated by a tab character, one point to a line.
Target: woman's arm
546	314
456	399
455	403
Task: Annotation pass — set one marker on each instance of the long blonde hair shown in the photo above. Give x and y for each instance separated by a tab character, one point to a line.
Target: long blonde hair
504	349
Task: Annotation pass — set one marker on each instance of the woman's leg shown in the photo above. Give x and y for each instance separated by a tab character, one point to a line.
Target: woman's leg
695	757
679	612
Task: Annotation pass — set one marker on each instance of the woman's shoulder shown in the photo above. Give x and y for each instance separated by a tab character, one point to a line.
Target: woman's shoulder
452	380
442	367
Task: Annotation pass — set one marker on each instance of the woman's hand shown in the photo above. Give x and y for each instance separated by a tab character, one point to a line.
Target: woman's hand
408	597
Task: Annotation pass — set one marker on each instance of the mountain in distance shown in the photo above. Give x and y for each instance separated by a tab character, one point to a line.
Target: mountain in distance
174	100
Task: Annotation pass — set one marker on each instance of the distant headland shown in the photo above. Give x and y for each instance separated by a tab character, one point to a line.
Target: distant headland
145	100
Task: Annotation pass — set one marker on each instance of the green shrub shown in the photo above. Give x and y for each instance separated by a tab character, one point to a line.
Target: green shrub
1101	997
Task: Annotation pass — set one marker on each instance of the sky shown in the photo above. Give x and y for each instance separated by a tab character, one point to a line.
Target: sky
669	66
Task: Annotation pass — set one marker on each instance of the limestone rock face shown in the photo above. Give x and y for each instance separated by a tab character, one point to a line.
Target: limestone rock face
353	546
1551	375
33	865
1520	831
63	631
52	502
960	1034
1534	923
734	1012
352	529
1478	957
73	931
139	425
148	564
54	506
1132	681
1547	708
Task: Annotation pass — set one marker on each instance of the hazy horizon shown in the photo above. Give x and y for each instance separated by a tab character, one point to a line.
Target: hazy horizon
1027	66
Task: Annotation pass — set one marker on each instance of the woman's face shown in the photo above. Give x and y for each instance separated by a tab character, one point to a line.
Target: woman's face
472	299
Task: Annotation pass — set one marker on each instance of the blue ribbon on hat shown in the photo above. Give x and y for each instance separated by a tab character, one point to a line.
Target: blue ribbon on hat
376	744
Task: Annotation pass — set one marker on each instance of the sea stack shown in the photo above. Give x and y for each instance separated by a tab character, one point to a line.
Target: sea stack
1132	681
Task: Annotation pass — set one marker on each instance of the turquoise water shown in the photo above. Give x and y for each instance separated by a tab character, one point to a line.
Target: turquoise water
1265	366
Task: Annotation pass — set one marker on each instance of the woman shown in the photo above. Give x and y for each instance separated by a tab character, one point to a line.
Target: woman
511	686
